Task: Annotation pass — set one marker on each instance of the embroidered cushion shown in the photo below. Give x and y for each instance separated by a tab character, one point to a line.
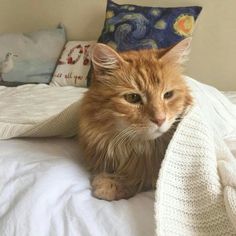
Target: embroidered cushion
73	65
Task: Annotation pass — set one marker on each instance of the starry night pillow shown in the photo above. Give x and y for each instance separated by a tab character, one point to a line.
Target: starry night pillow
131	27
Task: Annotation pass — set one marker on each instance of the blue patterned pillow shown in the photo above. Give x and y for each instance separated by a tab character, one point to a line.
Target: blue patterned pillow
131	27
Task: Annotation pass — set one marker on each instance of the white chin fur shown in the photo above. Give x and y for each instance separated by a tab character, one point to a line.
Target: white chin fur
154	131
151	133
154	135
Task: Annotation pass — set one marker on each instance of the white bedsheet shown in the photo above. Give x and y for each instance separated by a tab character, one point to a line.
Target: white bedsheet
231	95
43	192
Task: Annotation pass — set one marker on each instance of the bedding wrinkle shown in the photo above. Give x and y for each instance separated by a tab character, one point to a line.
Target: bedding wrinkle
39	111
54	197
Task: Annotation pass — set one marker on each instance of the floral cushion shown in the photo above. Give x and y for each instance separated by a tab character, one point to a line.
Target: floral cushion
73	65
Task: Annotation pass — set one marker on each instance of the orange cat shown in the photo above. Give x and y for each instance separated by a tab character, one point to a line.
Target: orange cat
128	115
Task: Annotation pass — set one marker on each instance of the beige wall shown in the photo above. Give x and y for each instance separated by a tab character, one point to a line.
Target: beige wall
212	59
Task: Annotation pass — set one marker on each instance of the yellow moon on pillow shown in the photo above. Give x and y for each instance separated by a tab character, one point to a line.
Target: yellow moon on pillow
184	25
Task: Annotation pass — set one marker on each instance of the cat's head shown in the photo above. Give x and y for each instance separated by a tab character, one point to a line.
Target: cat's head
141	92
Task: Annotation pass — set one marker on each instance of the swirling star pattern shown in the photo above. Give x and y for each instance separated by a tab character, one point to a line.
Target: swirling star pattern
131	27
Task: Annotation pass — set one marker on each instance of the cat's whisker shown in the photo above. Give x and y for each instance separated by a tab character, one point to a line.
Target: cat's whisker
121	137
125	136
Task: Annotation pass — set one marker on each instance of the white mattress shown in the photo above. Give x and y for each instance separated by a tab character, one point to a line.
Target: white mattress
44	192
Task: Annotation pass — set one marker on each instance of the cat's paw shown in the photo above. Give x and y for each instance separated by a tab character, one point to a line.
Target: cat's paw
106	188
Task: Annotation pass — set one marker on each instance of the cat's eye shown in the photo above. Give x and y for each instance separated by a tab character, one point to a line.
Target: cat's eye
133	98
168	94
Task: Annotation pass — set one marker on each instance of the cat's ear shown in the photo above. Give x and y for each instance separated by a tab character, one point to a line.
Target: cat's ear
104	57
177	53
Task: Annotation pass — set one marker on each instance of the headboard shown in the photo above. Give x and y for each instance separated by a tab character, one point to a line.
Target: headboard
212	59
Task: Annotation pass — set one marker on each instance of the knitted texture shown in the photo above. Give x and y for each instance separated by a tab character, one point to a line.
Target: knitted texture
39	111
190	195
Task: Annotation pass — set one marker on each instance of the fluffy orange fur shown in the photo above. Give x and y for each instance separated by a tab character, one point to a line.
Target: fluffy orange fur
128	116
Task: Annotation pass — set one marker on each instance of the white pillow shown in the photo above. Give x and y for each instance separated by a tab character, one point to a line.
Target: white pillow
74	65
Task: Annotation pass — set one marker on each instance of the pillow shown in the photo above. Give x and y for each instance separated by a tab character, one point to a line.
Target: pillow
131	27
74	64
31	57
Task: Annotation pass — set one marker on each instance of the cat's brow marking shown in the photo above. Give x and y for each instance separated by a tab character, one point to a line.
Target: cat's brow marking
159	76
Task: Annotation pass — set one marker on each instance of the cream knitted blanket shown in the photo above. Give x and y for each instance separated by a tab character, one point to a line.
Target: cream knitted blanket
39	111
196	189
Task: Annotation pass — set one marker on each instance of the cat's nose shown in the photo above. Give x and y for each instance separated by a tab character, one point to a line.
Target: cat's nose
159	120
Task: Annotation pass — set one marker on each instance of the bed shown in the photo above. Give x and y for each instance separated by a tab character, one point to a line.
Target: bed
45	190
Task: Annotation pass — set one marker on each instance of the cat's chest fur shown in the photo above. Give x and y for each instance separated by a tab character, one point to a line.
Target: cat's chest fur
139	159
